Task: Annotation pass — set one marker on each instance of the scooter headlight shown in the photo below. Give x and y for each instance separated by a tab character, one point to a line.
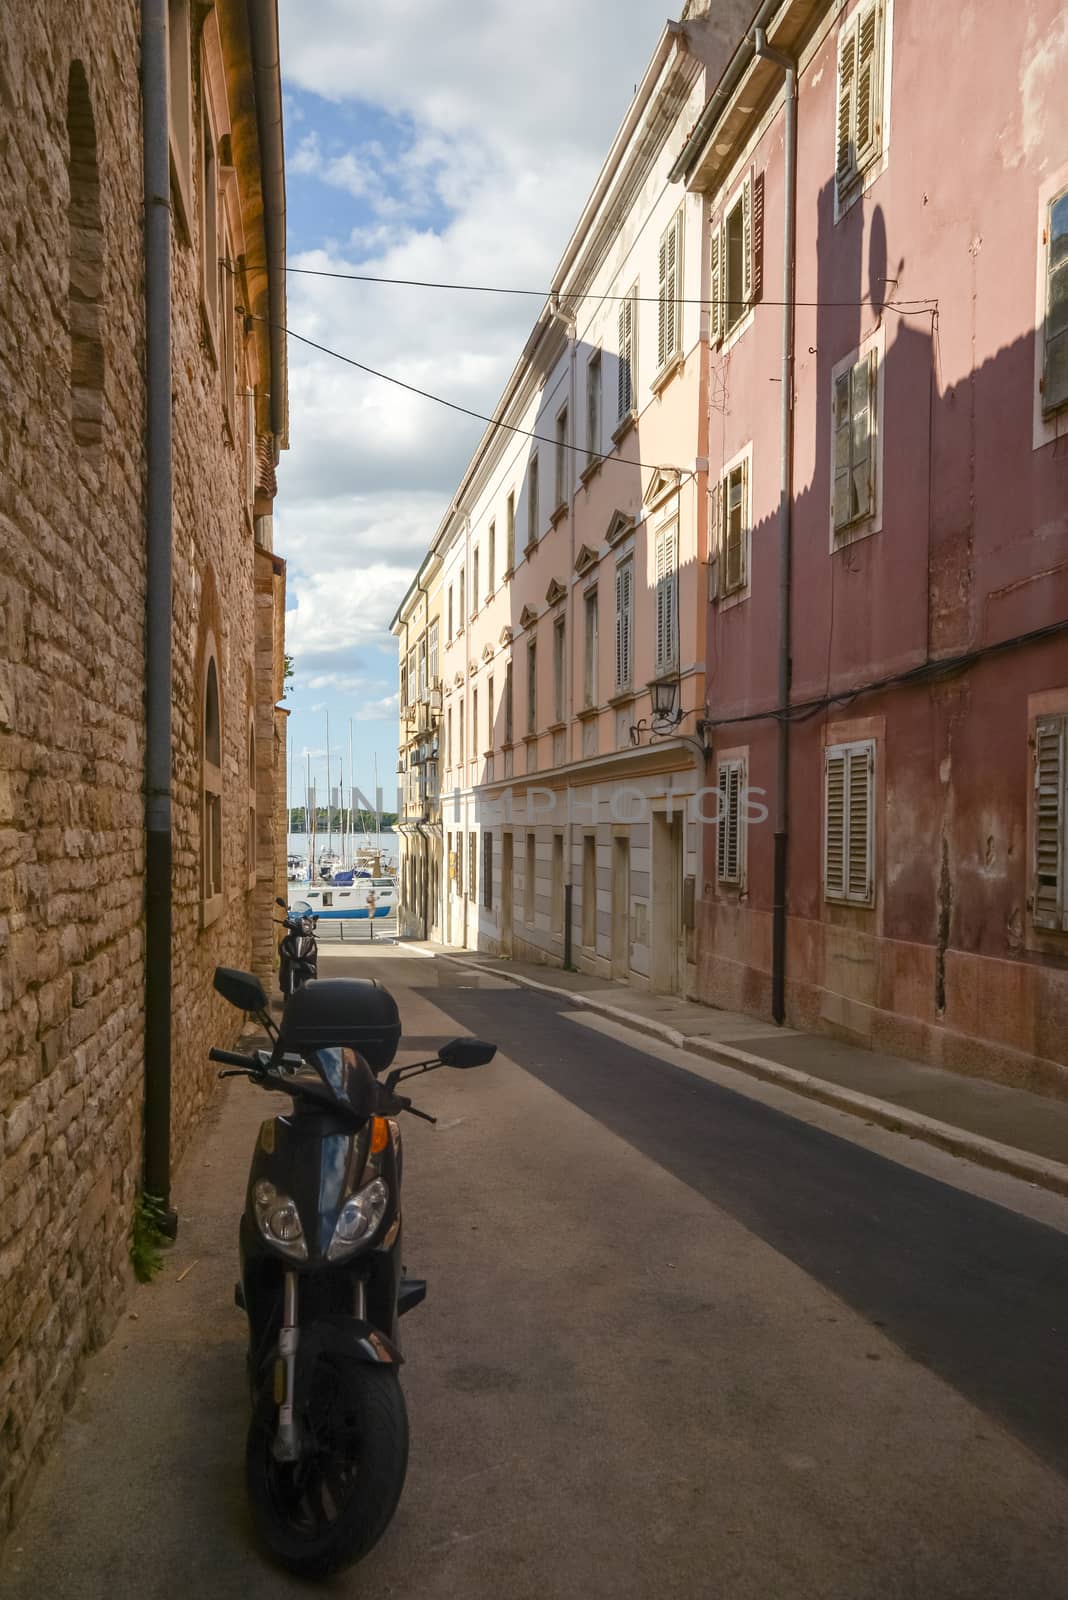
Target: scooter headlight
359	1219
279	1221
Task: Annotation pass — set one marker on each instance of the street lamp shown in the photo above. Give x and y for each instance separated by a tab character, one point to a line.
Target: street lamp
665	708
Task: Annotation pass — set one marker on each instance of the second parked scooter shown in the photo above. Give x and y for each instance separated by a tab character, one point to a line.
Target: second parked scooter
298	952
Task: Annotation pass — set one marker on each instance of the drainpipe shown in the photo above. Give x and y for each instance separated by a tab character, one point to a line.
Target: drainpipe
782	805
158	542
263	38
569	635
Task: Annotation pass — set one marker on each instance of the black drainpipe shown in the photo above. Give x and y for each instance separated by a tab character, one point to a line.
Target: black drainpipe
158	494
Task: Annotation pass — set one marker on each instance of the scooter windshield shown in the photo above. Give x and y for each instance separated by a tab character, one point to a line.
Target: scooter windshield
347	1076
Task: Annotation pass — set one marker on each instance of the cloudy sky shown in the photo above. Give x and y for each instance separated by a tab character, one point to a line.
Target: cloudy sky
425	139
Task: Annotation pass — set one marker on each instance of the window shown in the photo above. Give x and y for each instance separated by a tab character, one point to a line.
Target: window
509	524
209	226
461	749
624	623
422	667
529	885
532	686
463	613
558	883
730	844
491	558
737	250
1055	367
413	681
561	458
211	849
474	724
180	106
667	597
669	319
251	803
448	740
533	513
593	408
489	713
589	677
848	791
859	134
855	390
433	654
1049	903
404	684
487	870
627	377
589	890
86	275
509	726
559	669
458	866
474	581
448	614
472	866
733	523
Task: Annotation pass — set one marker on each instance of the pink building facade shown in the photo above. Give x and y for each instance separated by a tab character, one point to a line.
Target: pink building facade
925	835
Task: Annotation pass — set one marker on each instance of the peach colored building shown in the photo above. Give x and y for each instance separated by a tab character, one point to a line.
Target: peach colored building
572	563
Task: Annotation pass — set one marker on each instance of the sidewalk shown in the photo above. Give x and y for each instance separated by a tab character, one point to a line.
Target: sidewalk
1010	1130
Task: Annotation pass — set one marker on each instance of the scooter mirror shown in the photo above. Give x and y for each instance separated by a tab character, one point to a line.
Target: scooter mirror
243	989
281	902
466	1053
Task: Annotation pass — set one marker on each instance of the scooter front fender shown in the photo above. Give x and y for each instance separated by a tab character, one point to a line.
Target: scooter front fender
351	1338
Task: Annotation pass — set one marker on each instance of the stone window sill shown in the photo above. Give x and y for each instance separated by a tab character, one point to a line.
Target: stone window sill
625	425
587	712
590	471
664	377
557	516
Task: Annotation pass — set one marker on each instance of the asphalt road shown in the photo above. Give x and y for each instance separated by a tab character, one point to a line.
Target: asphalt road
679	1341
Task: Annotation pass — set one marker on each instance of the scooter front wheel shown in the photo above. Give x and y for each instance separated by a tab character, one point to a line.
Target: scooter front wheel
328	1509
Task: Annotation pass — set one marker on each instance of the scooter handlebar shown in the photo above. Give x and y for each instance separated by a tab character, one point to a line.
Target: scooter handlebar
230	1058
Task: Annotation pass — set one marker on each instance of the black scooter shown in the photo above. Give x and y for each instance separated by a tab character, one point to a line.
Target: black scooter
298	950
321	1276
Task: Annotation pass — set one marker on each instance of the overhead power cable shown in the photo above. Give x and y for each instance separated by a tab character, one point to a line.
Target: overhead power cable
917	307
479	416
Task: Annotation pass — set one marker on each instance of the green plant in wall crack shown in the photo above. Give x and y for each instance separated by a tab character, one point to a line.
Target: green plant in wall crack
147	1237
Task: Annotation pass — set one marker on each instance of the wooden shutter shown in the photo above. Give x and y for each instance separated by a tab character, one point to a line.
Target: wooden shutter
623	624
834	825
757	288
665	597
867	86
717	319
747	240
843	452
734	535
715	542
1049	908
625	379
671	604
729	843
859	870
669	319
845	161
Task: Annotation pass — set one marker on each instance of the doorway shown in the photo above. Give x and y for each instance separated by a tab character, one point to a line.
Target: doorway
620	907
667	902
507	888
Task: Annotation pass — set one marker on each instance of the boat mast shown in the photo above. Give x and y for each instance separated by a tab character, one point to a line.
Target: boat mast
352	784
309	818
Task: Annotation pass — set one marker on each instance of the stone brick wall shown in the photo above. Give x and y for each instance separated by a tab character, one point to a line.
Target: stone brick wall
72	696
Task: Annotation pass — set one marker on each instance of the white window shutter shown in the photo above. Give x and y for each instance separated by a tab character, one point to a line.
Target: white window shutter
672	596
715	541
623	625
723	814
747	240
1049	909
743	554
665	304
867	86
860	829
834	824
661	599
716	324
845	162
625	381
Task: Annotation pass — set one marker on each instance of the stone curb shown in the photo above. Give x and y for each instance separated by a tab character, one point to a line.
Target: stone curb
1046	1174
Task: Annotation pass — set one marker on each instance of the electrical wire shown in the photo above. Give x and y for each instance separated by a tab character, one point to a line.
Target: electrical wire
479	416
917	307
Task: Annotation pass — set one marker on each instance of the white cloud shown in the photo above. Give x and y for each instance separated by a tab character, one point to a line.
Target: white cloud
500	130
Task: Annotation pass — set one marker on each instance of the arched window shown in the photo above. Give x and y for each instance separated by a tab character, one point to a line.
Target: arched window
85	311
211	847
251	803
